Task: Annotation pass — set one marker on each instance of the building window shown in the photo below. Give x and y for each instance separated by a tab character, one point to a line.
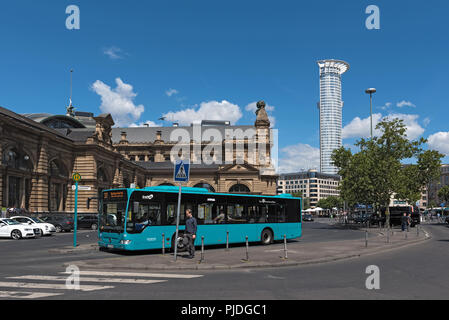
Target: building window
204	185
239	188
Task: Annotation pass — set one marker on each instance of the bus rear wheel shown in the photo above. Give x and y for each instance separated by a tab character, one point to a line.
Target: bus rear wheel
266	237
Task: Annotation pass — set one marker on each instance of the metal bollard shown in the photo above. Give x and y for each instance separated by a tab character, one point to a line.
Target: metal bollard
227	240
202	249
388	236
417	231
247	249
366	239
163	244
285	247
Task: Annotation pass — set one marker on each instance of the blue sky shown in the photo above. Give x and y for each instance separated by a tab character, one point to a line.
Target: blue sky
143	59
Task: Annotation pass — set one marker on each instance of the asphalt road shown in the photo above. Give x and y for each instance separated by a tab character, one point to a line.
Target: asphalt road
416	272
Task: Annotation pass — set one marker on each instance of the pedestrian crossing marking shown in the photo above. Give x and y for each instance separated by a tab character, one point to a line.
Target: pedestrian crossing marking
107	280
50	286
27	295
132	274
92	276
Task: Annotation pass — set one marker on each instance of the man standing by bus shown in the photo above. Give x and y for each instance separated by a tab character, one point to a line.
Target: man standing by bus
191	226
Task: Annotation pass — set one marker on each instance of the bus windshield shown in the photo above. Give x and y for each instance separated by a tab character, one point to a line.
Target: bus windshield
112	219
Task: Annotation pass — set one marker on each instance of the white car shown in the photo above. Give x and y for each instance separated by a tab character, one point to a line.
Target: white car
10	228
44	227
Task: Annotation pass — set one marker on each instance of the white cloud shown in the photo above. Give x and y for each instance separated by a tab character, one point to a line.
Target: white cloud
145	124
113	52
386	106
211	110
119	102
404	103
439	141
171	92
360	128
414	129
299	157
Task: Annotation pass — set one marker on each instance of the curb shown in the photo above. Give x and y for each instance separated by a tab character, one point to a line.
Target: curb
248	265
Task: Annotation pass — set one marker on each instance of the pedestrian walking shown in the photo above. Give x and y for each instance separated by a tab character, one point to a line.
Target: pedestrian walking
404	221
191	227
409	221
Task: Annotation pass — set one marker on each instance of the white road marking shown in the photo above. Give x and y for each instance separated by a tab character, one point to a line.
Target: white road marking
50	286
27	295
107	280
132	274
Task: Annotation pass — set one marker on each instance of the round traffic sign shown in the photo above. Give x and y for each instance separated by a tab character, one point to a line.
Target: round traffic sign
76	177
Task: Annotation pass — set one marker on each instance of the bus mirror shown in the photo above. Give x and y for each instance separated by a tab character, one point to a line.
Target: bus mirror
135	207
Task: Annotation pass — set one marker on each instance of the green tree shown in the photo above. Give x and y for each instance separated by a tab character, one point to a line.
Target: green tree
375	174
443	194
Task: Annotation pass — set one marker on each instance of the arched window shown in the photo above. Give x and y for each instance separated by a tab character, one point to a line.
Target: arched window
239	188
57	169
204	185
17	159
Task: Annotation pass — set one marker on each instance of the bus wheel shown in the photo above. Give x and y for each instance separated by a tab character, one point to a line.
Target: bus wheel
181	246
266	237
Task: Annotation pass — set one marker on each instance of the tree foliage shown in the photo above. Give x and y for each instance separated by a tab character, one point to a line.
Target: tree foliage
443	194
375	174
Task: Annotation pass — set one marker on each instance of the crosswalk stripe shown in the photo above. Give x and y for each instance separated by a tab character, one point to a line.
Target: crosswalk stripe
27	295
50	286
84	279
132	274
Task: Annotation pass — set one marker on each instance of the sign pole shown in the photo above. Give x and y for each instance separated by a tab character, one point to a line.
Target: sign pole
181	174
177	219
76	177
76	214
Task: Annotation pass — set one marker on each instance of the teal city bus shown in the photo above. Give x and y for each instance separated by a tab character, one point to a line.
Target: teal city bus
143	219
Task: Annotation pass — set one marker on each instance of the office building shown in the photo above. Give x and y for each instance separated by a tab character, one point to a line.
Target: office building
330	107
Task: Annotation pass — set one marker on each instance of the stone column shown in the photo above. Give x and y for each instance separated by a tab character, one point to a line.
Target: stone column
39	192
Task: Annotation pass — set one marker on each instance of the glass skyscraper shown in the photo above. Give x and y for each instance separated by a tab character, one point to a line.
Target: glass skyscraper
330	107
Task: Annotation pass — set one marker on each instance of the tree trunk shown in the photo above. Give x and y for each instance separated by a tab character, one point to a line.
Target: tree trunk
387	215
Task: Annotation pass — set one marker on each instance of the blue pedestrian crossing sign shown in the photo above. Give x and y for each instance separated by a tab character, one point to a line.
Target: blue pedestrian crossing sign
182	171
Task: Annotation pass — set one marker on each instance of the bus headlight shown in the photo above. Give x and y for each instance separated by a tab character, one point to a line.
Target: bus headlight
125	241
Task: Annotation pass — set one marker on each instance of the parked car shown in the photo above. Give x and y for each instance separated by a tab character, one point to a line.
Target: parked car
307	217
61	223
376	220
362	218
89	221
10	228
447	219
42	227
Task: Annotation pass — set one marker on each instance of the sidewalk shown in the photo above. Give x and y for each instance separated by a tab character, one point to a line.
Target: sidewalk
298	253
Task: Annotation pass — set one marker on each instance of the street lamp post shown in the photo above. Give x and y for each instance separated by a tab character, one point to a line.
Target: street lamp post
370	91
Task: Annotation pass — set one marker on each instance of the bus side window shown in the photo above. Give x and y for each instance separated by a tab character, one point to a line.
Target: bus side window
236	213
205	213
251	212
171	213
262	214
